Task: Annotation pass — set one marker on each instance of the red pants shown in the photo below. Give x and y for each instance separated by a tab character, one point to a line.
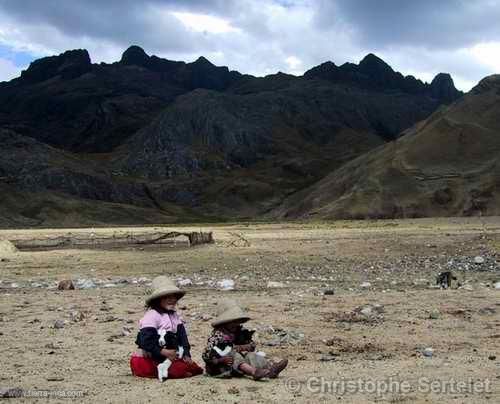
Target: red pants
147	367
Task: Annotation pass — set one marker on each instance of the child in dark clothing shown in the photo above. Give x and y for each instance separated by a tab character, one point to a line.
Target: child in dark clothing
162	337
230	350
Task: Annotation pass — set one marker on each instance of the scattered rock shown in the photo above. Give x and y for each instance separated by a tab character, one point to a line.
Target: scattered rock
487	310
365	285
35	320
428	352
329	292
85	284
126	331
434	314
59	324
233	390
284	337
366	311
273	284
206	317
492	357
66	284
77	316
327	358
479	260
184	282
226	284
497	285
55	379
466	287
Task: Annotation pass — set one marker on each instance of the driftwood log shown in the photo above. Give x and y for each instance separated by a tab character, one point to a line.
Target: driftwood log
194	238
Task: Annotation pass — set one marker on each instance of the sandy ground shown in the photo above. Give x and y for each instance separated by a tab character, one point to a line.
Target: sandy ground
398	258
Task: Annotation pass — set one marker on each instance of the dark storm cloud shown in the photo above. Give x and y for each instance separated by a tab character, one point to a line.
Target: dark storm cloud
421	37
438	24
121	21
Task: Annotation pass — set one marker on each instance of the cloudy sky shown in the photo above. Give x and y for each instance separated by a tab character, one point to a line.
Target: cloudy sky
260	37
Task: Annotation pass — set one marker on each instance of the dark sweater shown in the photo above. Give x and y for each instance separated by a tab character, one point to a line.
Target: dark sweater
148	340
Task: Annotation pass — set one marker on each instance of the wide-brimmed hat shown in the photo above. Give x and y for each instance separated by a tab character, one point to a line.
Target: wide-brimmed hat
163	286
229	310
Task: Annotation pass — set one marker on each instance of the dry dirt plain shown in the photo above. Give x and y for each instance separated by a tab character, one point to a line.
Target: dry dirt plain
326	337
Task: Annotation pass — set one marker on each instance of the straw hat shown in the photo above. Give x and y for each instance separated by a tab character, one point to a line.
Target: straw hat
229	310
163	286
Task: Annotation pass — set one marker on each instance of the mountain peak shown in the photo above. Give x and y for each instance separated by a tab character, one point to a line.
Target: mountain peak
69	64
135	55
374	65
442	87
203	61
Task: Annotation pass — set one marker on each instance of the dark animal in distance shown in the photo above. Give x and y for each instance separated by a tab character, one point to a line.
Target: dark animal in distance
444	279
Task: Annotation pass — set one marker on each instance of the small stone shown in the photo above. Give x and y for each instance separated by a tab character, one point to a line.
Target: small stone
206	317
301	358
467	287
497	285
77	316
365	285
35	320
233	390
479	260
109	285
434	315
327	358
329	292
66	284
184	282
59	324
273	343
126	331
366	311
492	357
428	352
273	284
85	284
226	284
